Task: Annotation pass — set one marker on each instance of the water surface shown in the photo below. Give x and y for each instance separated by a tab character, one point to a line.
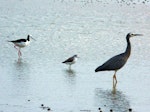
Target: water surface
95	30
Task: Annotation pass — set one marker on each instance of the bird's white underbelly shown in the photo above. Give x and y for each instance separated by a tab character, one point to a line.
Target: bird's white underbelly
73	62
22	44
70	63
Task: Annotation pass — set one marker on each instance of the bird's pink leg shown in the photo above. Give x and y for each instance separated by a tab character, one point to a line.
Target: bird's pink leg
19	53
16	48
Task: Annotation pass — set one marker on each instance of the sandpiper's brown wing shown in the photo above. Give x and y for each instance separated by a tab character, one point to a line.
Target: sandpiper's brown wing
68	60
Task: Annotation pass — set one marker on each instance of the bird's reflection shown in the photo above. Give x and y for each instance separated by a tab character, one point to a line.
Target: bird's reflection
70	72
70	75
111	99
19	61
20	77
21	69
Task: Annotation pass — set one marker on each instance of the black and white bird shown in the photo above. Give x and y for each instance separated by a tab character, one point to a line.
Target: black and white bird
117	62
20	43
71	60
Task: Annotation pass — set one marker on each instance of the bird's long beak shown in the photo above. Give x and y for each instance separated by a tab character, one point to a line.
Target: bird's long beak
138	34
32	38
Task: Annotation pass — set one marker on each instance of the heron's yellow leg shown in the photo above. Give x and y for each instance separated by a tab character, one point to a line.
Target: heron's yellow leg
114	79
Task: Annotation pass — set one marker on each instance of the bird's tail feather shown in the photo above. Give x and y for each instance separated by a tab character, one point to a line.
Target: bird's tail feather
98	69
9	41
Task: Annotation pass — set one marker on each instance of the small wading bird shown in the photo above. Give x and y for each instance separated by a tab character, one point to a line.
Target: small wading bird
117	62
20	43
71	60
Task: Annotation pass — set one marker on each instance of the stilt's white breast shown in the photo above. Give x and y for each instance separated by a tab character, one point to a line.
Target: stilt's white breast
22	44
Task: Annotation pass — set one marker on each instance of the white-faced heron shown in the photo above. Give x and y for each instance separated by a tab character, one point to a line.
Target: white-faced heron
117	62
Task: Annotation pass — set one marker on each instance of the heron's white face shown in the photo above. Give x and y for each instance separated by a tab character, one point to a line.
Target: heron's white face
131	34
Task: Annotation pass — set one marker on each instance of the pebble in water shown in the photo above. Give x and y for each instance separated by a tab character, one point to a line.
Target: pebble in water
42	105
130	110
111	110
99	108
48	109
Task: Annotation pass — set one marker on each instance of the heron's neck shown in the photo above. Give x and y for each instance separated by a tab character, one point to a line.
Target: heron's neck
128	49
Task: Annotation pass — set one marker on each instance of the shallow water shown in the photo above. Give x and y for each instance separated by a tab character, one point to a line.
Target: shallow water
95	30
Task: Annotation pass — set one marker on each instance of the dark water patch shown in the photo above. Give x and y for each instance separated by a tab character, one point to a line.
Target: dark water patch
108	99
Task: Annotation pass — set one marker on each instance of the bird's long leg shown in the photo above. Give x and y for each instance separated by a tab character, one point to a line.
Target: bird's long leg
114	89
20	52
114	80
115	76
16	48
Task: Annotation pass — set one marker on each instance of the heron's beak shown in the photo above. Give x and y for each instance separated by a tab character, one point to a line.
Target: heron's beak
138	34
